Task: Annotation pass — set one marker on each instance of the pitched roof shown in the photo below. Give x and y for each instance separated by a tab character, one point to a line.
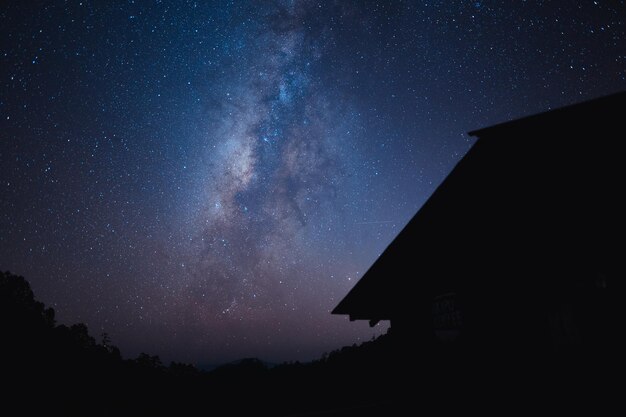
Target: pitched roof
458	202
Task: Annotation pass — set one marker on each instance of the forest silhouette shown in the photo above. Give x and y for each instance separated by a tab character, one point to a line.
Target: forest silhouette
54	369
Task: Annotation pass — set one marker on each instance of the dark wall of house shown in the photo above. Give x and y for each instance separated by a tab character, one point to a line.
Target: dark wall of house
519	253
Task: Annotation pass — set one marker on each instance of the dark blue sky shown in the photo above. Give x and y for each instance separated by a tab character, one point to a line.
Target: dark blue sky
206	180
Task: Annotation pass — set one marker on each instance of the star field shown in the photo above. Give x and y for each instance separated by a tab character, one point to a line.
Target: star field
206	180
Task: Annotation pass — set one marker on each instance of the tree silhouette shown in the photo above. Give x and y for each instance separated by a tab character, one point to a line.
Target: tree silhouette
62	370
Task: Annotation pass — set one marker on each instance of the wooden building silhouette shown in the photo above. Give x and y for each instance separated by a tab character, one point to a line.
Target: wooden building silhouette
520	251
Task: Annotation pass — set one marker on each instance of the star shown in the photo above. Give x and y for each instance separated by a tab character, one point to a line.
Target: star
229	170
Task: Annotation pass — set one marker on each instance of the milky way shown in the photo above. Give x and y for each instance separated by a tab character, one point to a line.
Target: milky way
205	181
276	154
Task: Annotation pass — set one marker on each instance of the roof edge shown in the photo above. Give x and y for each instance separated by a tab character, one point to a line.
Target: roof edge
620	95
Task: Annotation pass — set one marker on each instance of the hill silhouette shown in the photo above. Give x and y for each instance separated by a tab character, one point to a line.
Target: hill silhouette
63	370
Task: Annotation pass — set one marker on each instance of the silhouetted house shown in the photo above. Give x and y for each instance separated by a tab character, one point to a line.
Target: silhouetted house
520	248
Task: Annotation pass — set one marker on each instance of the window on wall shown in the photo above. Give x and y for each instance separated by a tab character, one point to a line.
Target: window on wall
447	317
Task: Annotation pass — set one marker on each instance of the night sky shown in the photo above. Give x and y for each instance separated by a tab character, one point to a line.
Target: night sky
205	181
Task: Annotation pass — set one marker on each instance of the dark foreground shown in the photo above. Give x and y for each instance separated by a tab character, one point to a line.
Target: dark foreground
50	369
